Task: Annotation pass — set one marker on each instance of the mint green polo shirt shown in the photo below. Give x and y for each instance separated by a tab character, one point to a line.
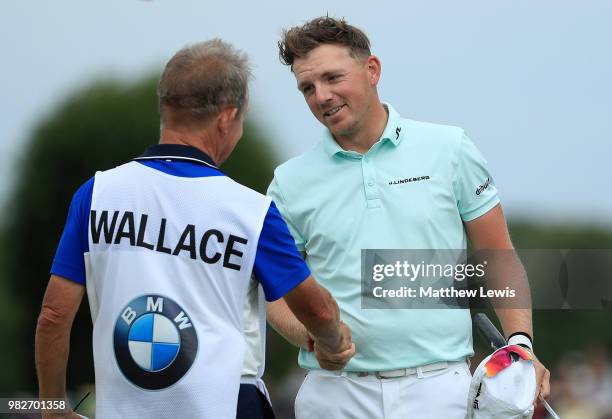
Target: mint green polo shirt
338	202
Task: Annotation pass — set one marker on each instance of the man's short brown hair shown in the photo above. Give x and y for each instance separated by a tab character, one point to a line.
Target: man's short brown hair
203	78
298	41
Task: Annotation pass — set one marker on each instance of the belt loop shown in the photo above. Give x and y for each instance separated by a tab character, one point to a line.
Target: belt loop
419	371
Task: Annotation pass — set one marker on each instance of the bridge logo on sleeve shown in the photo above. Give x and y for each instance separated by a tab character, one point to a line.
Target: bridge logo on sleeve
155	342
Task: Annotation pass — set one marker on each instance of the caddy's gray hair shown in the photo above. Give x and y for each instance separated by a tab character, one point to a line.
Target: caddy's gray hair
203	78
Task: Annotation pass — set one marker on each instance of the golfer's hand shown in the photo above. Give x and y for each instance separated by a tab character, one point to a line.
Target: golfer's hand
542	381
334	359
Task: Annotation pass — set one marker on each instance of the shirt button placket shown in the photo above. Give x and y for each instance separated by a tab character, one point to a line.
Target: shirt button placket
369	179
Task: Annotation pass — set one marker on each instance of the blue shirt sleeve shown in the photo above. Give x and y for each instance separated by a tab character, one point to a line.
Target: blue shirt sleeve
279	266
69	262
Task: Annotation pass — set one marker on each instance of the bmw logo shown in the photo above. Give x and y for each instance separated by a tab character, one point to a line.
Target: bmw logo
155	342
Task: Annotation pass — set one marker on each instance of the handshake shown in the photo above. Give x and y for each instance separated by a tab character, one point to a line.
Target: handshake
333	357
308	316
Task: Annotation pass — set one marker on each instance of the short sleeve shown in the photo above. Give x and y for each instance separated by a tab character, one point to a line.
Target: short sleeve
473	185
69	262
279	266
274	191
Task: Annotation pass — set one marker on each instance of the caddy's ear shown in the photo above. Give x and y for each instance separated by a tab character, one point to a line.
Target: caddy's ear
225	119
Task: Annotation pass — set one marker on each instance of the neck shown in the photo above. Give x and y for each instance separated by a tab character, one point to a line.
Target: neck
369	131
202	140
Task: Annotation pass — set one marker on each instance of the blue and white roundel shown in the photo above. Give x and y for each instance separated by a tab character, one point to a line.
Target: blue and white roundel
155	342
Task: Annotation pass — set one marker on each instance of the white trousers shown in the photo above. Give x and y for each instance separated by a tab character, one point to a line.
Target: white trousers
441	394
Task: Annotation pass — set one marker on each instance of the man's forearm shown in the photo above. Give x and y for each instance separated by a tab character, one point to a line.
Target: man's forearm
506	270
489	237
325	329
315	308
515	320
51	353
282	319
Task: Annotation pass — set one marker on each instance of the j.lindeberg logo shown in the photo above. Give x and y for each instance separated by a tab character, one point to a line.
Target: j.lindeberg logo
484	186
397	132
408	180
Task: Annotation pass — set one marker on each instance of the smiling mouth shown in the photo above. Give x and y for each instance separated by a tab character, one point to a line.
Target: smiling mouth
333	111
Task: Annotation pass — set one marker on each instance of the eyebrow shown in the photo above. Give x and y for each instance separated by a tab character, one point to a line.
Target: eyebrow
328	73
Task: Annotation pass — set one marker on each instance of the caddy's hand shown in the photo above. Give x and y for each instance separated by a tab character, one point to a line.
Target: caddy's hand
334	359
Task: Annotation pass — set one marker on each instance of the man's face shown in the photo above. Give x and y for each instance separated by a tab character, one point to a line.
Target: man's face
338	88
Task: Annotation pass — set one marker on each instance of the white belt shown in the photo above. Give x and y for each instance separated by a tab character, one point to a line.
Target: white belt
403	372
248	379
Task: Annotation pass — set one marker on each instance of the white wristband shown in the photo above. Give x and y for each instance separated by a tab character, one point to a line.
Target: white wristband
520	340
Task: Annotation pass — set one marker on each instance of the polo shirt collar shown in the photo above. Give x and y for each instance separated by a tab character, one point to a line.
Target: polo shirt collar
393	129
391	133
176	152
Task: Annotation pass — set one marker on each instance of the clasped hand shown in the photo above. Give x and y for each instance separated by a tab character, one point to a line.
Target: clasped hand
336	358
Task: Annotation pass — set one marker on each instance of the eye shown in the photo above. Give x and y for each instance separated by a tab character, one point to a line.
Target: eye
306	90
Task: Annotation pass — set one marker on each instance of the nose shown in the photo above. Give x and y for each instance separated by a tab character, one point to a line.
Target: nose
323	94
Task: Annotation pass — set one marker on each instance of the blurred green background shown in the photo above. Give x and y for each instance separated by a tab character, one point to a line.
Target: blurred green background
109	122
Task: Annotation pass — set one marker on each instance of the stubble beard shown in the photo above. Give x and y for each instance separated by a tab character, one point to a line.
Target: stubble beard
353	128
349	131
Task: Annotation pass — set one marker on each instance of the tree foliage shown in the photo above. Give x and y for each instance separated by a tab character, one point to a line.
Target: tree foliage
560	331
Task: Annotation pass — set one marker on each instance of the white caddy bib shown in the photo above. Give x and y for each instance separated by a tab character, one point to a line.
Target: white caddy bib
168	267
